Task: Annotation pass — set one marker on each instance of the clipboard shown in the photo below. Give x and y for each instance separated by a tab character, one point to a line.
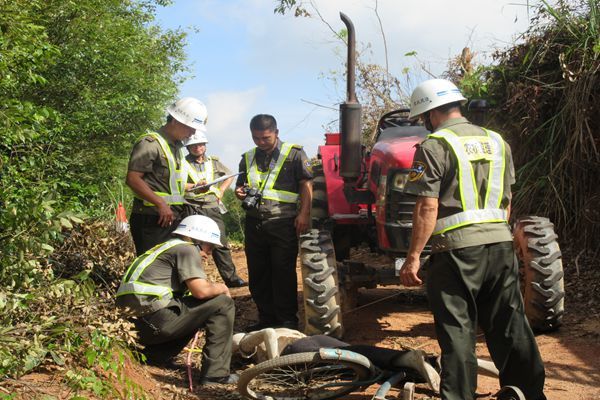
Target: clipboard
209	184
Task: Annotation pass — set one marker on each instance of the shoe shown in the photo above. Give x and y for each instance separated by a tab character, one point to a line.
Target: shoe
237	282
230	379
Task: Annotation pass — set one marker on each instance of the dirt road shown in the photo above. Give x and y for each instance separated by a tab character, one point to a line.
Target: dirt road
399	319
571	355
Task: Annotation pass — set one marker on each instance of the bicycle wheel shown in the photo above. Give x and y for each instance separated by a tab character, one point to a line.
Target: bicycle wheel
302	376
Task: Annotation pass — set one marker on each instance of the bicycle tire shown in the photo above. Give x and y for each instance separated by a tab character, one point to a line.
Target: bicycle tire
302	376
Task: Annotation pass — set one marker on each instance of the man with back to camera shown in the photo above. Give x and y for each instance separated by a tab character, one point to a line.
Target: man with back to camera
276	191
462	175
157	174
205	169
167	293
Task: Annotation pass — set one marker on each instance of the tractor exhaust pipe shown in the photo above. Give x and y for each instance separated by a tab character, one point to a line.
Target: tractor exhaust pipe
350	110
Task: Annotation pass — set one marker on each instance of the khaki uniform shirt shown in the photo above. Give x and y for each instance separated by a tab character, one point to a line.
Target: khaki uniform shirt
436	176
295	169
209	200
170	269
148	157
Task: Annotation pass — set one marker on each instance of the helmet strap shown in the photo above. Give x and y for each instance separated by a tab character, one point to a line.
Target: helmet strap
427	120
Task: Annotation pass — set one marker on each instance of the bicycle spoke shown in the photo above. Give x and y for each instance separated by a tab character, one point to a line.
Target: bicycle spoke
304	380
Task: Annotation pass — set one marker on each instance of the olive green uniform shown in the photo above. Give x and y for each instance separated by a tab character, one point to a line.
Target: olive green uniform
165	327
147	157
208	205
271	243
473	279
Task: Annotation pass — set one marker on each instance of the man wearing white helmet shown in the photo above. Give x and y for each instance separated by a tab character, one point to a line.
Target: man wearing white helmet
208	202
462	175
157	174
167	293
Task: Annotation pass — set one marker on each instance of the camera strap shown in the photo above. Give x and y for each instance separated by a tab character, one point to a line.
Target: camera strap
272	164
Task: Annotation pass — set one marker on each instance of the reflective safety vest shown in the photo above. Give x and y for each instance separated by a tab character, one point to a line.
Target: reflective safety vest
470	149
208	175
131	284
177	177
265	181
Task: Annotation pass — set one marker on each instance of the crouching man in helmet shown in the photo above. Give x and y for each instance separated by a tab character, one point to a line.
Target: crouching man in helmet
462	175
166	291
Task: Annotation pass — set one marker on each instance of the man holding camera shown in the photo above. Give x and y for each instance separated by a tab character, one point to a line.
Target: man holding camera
276	191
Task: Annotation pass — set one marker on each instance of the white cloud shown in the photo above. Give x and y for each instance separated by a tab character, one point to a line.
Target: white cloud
269	62
228	116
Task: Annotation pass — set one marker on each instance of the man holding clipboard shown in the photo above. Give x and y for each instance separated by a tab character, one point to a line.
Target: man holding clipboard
204	198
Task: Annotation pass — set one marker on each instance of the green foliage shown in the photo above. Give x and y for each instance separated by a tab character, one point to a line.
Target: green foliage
79	81
546	94
235	217
297	7
474	83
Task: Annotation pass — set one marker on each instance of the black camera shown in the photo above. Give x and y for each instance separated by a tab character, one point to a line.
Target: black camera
252	199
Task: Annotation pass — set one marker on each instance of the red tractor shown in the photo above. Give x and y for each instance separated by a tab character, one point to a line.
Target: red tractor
358	198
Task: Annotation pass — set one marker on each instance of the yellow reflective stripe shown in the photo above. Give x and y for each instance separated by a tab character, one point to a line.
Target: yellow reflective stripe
256	178
467	184
495	190
208	175
469	217
465	224
169	199
252	169
130	282
144	289
492	151
283	196
280	195
177	177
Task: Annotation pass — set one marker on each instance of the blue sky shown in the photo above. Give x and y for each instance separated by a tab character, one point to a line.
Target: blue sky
246	60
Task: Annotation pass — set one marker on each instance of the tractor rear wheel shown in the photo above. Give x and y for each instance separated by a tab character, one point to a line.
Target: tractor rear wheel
319	214
322	311
319	210
541	272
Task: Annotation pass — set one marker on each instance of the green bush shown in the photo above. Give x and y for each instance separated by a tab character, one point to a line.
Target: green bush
79	81
234	219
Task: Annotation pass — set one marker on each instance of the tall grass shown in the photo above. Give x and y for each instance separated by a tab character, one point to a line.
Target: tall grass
549	96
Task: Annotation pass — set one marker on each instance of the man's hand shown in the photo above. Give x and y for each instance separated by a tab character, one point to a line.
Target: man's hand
203	289
223	287
201	189
408	273
240	193
135	180
301	223
165	214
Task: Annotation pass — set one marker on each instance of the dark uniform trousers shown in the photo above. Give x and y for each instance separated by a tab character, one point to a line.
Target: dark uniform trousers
271	248
165	332
147	233
221	255
480	284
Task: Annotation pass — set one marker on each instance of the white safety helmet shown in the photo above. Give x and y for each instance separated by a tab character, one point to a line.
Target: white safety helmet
189	111
431	94
198	137
200	228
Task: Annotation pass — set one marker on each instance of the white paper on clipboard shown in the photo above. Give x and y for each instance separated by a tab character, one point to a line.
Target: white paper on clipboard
209	184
